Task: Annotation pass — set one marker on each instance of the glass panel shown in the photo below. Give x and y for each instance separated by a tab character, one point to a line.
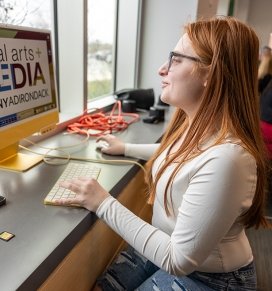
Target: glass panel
101	35
33	13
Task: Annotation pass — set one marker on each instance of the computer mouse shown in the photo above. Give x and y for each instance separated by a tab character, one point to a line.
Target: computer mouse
102	144
2	200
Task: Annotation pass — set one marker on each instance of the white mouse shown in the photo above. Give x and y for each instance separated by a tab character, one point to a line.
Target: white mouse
102	144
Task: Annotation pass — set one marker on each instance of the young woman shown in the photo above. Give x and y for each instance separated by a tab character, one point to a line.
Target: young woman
206	179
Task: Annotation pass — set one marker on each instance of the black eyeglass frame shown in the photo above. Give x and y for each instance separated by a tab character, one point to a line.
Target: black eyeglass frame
175	54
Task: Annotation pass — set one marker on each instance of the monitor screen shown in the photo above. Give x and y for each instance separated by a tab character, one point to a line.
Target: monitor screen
28	97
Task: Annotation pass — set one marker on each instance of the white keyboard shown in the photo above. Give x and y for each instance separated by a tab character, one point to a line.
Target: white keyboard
72	171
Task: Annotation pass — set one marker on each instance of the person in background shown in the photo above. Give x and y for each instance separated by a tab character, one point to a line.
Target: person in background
266	128
265	68
206	178
266	117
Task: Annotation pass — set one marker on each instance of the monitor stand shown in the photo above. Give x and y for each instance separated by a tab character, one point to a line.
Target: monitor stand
10	159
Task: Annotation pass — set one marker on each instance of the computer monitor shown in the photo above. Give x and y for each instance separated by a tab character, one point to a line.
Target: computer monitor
28	96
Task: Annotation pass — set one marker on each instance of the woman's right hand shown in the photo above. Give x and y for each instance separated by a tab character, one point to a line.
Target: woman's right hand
114	145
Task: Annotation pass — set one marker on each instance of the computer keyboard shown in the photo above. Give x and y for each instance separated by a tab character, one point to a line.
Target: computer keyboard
72	171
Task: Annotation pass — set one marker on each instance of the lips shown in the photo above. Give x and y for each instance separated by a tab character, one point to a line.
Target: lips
164	84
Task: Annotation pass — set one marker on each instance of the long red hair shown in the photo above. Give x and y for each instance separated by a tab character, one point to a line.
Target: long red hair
229	50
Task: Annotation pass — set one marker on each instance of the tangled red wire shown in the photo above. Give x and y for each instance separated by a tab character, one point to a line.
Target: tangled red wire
100	123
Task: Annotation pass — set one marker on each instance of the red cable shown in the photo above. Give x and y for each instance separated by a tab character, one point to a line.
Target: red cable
103	123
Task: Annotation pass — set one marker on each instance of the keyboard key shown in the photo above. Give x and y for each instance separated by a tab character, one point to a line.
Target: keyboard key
72	171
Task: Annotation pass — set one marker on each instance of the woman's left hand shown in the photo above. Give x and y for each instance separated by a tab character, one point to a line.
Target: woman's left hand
89	193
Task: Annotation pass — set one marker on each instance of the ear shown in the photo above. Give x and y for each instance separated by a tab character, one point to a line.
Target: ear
205	77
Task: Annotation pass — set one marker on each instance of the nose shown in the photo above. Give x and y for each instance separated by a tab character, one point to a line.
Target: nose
163	69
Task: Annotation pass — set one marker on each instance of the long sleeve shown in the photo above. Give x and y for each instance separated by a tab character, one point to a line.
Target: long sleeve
141	151
203	233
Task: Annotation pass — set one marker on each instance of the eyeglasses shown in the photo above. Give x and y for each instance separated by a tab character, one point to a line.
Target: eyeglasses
174	54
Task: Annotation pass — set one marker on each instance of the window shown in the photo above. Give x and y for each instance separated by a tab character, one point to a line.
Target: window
101	44
33	13
85	45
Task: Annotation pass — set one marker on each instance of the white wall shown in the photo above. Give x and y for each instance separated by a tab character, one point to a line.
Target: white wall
126	58
241	9
207	8
258	14
72	55
260	18
223	7
159	35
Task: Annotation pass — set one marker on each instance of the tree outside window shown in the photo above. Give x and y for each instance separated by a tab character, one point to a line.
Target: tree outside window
32	13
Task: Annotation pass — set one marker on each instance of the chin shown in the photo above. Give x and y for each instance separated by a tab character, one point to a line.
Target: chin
164	99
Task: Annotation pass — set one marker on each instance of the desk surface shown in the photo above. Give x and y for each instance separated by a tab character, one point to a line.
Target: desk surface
44	235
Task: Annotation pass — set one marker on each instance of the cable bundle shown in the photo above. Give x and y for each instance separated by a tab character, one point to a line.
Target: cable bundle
99	123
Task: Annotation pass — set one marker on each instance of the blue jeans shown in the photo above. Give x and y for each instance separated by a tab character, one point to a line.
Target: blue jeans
131	271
